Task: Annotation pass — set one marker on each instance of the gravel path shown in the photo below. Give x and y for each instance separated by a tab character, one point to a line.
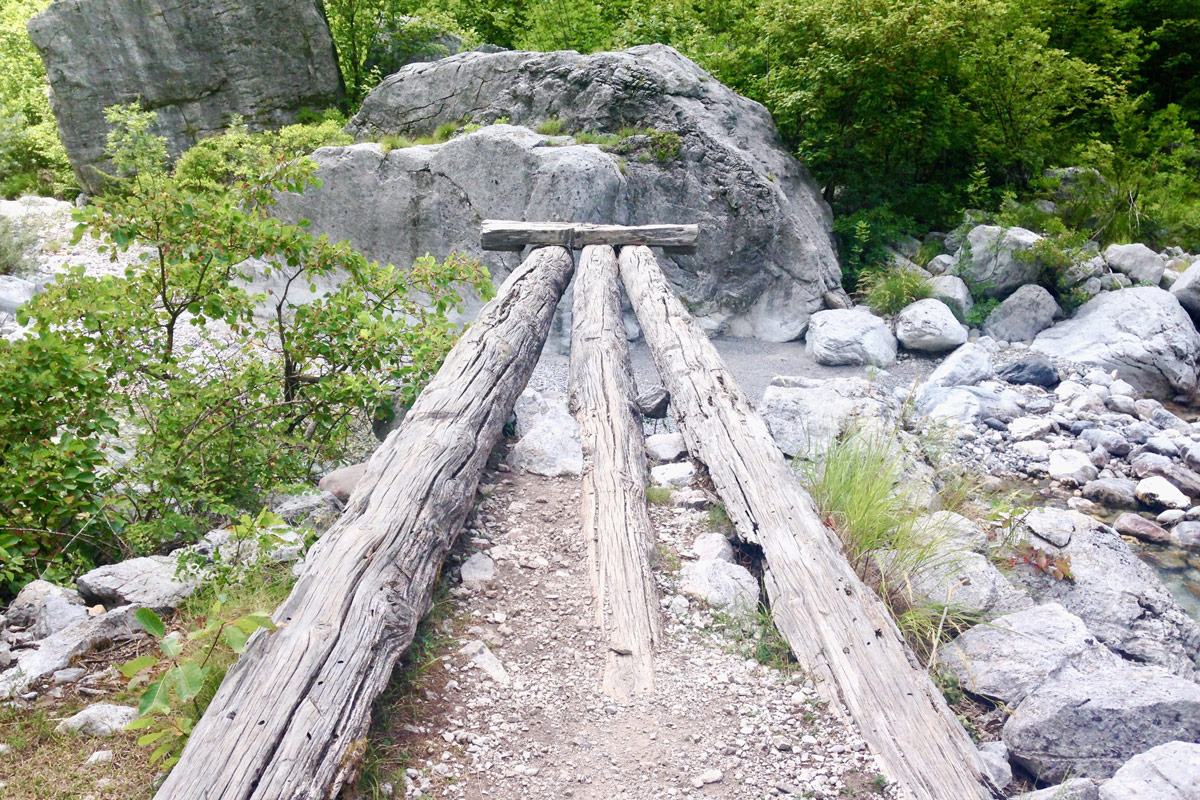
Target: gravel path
516	710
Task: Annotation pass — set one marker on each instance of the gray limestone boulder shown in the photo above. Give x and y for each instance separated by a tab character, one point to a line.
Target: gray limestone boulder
478	571
995	261
549	436
666	447
14	293
720	584
952	290
1139	262
196	64
965	581
1187	290
967	365
1142	333
44	608
1012	655
765	260
805	415
1170	771
1087	723
149	581
1074	789
994	756
850	337
1023	315
929	325
342	482
1118	597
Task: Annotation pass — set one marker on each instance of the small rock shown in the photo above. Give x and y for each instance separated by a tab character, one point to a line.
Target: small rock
1139	527
653	403
1157	492
1072	467
666	447
673	475
100	757
478	572
101	719
1033	369
995	760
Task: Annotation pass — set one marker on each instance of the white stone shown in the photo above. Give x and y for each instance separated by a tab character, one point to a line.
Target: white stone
673	476
1025	428
929	325
1158	492
721	584
666	447
484	659
101	719
1072	467
1139	262
850	337
712	547
478	572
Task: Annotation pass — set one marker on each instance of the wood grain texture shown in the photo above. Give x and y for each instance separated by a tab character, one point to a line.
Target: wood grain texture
511	235
836	626
290	720
616	523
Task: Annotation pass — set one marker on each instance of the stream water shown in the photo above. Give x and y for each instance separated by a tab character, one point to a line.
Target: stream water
1178	569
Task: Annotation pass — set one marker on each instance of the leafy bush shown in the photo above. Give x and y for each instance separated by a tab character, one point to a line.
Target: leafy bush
218	404
14	248
889	291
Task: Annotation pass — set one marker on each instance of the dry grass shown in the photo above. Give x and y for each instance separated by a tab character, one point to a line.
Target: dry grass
44	765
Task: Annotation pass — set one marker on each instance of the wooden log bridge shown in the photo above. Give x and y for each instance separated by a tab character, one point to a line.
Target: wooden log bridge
289	721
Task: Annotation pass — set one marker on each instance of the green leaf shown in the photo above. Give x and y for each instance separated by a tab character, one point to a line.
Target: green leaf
151	622
235	638
189	680
171	646
131	668
154	698
162	750
252	622
151	738
140	723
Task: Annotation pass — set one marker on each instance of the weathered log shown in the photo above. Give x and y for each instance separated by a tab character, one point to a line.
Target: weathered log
837	627
290	719
616	523
508	235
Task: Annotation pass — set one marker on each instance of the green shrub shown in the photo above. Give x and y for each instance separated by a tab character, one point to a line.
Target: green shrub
15	243
888	292
217	404
550	127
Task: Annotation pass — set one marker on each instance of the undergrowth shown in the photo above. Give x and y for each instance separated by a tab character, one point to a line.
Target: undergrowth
889	291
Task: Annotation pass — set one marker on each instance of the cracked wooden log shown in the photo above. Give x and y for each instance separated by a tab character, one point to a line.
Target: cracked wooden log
498	234
291	717
616	523
837	627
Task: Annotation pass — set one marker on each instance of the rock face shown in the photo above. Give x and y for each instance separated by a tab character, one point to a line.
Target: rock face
850	337
766	256
195	64
993	260
1142	333
1023	315
931	326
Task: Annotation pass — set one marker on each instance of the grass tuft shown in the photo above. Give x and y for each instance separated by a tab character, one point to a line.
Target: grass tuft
889	291
550	127
658	495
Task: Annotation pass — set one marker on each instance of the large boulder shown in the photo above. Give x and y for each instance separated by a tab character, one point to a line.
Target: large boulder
805	415
995	261
1139	262
850	337
44	608
966	366
196	64
1187	290
1118	597
1087	723
952	290
1023	315
1011	656
1142	333
766	256
931	326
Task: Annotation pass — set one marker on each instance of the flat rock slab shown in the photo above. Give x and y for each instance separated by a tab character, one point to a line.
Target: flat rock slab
1168	772
1089	723
1012	655
45	608
56	651
149	581
1118	597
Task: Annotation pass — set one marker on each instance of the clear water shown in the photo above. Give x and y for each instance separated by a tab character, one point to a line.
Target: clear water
1178	569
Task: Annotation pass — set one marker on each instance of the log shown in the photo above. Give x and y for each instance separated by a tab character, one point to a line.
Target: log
290	719
509	235
836	626
616	523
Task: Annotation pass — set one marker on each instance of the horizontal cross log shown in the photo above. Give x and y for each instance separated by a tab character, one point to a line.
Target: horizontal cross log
509	235
838	628
290	720
616	522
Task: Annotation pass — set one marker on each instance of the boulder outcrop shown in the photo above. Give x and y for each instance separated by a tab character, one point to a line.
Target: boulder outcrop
196	64
765	258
